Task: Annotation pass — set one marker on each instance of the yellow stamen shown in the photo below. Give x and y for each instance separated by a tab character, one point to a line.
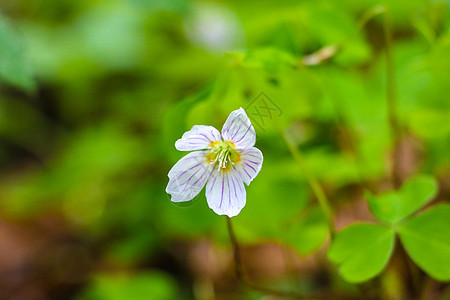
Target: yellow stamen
236	158
212	144
223	155
231	143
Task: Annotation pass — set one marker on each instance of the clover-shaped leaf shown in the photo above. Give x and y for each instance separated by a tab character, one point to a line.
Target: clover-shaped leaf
427	240
394	206
362	251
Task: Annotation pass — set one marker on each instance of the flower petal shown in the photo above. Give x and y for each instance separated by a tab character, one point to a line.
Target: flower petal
199	137
239	130
225	193
250	164
188	176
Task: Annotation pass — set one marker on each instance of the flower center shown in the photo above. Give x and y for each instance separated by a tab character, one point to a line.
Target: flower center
223	155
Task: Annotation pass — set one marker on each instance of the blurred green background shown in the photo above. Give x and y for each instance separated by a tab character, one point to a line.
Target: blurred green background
94	94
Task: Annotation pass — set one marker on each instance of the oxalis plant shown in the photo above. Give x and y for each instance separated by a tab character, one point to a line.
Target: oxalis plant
225	161
361	251
83	146
405	221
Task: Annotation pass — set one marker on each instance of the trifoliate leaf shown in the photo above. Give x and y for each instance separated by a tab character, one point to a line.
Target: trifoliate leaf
362	251
427	240
394	206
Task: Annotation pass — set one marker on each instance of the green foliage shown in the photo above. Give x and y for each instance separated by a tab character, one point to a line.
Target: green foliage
120	81
394	206
160	5
133	286
15	67
362	251
268	59
308	232
426	239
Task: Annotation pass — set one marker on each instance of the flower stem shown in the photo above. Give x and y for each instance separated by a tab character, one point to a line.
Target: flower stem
391	97
315	186
390	85
240	274
236	250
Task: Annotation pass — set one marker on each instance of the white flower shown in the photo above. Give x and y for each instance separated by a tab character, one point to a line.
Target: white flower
224	162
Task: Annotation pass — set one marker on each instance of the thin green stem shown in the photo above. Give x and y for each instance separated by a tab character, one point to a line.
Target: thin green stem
391	96
394	123
349	136
370	14
315	186
240	274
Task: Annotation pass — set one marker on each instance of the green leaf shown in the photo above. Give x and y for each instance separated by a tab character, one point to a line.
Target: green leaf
269	59
309	232
155	285
362	251
394	206
427	241
160	5
14	66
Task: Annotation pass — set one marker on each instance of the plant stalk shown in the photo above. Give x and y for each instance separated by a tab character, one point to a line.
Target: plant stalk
315	186
391	98
240	274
